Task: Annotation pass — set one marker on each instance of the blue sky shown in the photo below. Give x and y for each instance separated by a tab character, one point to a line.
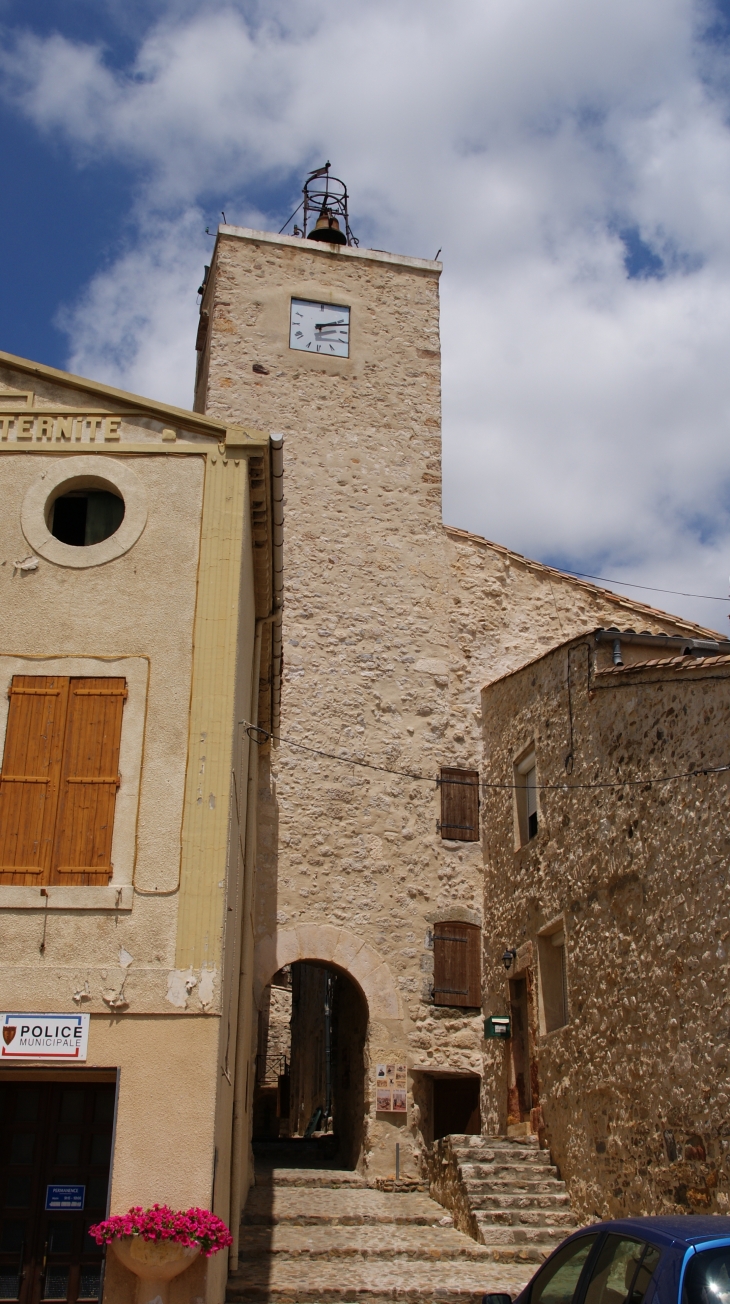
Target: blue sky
573	162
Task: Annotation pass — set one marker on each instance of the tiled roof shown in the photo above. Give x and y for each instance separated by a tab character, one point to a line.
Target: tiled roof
617	599
666	663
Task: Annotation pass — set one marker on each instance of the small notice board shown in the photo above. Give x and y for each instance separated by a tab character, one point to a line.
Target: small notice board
391	1088
65	1197
44	1036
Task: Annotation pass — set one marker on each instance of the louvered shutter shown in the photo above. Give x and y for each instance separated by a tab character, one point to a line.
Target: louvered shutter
89	782
29	780
460	805
457	965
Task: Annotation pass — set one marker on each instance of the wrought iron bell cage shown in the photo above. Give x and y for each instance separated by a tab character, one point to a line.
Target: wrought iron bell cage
325	205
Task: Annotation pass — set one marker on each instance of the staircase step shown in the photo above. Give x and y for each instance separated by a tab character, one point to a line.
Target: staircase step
312	1207
523	1187
299	1281
528	1158
310	1177
516	1172
525	1218
520	1200
385	1241
545	1237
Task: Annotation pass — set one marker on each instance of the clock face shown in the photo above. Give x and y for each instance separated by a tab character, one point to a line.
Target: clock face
320	328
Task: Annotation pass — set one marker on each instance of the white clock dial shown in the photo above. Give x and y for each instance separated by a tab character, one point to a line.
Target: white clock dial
320	328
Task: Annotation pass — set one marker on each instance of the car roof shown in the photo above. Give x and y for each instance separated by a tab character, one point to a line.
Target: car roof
682	1229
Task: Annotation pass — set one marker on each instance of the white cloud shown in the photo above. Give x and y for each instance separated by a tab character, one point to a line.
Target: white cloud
586	414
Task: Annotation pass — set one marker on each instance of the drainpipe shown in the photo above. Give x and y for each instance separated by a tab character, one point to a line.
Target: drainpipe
277	497
245	977
239	1140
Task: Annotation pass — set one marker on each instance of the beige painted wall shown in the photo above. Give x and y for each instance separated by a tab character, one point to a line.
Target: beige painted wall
156	957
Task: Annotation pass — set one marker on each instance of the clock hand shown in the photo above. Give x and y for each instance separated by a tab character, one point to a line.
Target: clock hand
324	325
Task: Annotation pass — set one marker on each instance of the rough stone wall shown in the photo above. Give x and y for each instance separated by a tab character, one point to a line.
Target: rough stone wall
632	1093
391	627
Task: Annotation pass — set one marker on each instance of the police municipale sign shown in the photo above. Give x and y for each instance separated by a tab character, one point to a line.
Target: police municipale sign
44	1036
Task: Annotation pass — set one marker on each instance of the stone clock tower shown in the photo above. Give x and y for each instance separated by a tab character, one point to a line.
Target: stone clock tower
337	349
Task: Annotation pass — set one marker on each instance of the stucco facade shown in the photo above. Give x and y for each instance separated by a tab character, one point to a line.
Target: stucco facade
628	1078
173	605
392	625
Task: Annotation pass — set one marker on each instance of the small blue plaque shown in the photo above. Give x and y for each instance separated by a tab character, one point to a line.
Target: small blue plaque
65	1197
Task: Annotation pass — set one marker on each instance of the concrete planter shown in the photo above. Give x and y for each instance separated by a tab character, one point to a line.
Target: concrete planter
154	1263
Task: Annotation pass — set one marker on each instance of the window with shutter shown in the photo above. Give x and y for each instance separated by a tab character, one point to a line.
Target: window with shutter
29	780
460	805
59	780
457	965
526	798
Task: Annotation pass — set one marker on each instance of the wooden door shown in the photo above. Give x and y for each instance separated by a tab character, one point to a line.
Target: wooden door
53	1135
519	1101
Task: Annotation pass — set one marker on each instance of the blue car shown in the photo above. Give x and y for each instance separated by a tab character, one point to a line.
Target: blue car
680	1260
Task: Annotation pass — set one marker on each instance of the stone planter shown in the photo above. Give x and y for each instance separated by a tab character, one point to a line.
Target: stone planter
154	1263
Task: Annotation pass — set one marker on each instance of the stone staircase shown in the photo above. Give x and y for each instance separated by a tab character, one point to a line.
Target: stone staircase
314	1235
503	1192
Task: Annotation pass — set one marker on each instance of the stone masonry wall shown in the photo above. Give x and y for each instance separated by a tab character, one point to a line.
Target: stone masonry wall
391	628
633	1091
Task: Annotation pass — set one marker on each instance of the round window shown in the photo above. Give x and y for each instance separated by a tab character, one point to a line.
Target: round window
86	516
83	511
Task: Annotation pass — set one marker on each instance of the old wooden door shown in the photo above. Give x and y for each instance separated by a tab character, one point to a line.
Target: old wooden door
55	1150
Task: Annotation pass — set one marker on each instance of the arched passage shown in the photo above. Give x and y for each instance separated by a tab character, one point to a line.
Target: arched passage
336	985
328	944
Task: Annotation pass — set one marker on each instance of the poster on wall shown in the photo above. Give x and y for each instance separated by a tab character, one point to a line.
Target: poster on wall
391	1088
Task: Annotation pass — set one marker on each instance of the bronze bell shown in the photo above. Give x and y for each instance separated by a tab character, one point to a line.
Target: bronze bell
328	229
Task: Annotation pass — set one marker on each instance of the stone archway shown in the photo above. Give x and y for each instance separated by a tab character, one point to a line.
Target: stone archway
329	944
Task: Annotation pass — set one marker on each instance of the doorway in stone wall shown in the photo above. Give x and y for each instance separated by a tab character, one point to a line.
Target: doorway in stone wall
456	1106
309	1097
519	1094
519	1098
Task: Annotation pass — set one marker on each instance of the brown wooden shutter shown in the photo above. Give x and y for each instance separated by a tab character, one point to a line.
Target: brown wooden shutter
460	805
29	781
89	782
457	965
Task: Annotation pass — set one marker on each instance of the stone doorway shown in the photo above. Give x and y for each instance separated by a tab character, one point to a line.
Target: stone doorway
456	1106
310	1078
519	1100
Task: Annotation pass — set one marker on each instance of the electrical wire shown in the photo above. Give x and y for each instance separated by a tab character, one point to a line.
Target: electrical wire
483	784
676	593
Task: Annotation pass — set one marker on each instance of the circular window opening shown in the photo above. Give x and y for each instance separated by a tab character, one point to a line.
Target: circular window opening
86	516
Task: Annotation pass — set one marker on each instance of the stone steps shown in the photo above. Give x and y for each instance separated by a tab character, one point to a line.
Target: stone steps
506	1194
326	1237
507	1172
521	1200
524	1186
525	1218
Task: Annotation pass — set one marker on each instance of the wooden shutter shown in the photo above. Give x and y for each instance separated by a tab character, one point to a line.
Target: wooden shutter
460	805
89	782
457	964
29	781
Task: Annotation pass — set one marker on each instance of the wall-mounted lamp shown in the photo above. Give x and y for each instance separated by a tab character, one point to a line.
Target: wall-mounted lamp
509	955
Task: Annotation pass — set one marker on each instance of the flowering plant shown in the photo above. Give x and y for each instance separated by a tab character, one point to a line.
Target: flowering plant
161	1223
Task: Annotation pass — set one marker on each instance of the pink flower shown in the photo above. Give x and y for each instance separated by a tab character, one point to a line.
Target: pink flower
160	1223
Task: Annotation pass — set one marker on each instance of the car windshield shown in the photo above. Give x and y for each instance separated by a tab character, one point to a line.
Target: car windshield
707	1279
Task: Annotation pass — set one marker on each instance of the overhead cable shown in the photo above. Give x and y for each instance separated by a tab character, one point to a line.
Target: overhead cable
252	729
677	593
